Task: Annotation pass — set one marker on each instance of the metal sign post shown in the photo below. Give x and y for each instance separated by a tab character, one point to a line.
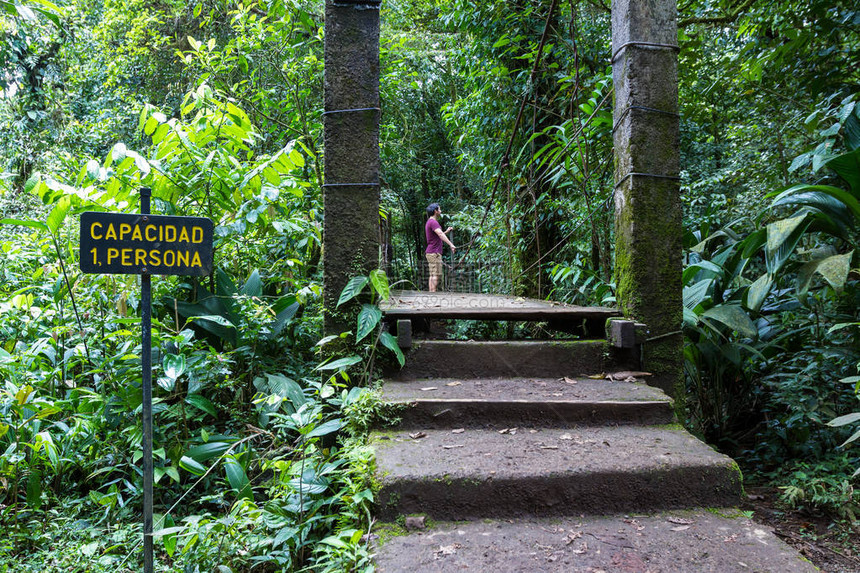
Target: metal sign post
145	244
146	387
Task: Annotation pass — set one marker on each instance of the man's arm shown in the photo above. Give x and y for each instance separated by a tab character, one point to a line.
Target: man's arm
445	238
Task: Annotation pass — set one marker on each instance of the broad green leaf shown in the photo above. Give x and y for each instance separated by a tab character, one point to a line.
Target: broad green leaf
202	403
389	341
286	388
335	541
167	383
34	488
782	238
93	169
172	472
25	223
297	158
31	183
853	437
325	429
352	289
310	482
219	320
58	214
691	319
379	280
852	130
368	318
286	308
190	465
835	269
824	198
25	12
778	232
732	316
207	451
702	269
340	363
845	420
237	478
170	538
502	42
758	291
694	295
168	531
847	166
285	534
174	365
254	285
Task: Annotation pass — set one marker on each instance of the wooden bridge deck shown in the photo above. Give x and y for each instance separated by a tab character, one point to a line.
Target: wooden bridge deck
472	306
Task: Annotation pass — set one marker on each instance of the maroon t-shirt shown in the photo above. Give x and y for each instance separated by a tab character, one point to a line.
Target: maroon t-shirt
434	241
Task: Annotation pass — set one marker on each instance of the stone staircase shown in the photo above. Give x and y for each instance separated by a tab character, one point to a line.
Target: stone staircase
516	459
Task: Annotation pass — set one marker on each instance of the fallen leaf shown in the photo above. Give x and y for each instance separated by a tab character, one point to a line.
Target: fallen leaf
600	376
731	538
573	537
565	437
681	528
458	431
510	431
549	447
429	388
582	549
569	380
625	374
447	550
454	446
418	435
681	520
453	384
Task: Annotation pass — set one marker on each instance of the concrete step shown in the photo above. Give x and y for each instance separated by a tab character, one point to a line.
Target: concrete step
494	359
505	402
478	473
481	306
695	541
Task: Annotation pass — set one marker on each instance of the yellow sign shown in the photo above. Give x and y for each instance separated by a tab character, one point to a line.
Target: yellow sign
118	243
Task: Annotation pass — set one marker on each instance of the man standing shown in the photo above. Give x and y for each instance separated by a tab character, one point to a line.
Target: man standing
435	237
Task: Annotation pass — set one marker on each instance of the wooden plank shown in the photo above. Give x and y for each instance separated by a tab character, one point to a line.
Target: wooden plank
474	306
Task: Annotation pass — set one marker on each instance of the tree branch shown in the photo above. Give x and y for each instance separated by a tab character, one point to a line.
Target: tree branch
724	19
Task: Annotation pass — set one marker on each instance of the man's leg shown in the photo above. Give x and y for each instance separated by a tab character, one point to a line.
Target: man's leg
433	267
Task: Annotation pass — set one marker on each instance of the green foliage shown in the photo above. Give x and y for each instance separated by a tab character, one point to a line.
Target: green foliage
821	486
217	107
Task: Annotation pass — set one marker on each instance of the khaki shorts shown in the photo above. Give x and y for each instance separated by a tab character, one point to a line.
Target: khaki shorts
435	262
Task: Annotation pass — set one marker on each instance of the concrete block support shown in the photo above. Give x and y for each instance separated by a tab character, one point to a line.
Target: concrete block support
351	132
648	227
404	333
